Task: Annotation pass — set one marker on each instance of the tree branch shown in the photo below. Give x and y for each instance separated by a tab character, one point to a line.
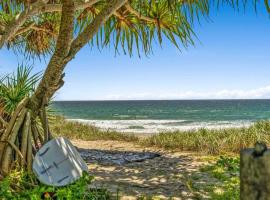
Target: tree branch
58	7
30	27
25	29
143	17
88	33
139	15
65	51
9	31
36	28
2	28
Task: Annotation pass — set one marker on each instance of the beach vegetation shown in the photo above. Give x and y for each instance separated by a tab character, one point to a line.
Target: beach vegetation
206	141
226	172
60	29
212	141
24	185
15	87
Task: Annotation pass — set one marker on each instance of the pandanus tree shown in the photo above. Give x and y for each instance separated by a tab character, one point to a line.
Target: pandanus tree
59	29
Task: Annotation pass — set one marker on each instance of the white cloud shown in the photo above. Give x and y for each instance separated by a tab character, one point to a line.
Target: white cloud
259	93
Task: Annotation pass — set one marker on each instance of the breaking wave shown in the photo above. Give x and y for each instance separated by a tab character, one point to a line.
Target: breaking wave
156	126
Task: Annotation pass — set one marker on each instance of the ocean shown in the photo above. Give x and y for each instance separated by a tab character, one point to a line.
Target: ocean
164	115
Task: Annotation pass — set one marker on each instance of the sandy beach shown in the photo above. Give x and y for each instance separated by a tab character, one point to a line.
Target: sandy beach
164	177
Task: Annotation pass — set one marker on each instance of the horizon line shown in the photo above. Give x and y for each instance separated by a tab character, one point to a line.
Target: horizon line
165	99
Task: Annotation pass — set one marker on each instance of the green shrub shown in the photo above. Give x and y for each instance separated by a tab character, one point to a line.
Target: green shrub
16	86
226	171
21	185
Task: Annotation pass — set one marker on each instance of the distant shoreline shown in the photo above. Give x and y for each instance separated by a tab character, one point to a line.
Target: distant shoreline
106	100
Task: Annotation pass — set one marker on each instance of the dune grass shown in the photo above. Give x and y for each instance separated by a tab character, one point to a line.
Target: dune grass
213	142
76	130
229	140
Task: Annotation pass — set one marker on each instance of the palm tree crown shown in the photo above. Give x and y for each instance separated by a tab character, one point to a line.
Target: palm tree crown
134	26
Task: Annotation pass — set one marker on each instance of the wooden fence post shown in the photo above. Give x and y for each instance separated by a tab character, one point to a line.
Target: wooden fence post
255	173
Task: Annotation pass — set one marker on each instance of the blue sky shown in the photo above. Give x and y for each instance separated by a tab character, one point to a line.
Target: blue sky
231	60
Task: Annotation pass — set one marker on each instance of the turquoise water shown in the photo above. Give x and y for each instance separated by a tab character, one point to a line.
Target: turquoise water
153	116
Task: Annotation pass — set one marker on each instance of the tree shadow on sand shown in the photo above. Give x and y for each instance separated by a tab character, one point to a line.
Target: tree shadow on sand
164	176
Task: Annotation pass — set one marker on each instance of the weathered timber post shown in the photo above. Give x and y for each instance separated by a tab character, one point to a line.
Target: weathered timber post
255	173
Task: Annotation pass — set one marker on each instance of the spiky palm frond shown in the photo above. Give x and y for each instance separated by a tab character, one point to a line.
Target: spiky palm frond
136	27
16	86
132	28
39	40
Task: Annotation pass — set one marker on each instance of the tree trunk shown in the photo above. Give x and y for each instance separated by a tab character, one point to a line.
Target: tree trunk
23	137
23	124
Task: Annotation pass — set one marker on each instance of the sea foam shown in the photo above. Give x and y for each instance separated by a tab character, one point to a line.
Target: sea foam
155	126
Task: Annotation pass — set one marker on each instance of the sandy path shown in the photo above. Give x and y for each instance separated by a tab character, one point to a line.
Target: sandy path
168	176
